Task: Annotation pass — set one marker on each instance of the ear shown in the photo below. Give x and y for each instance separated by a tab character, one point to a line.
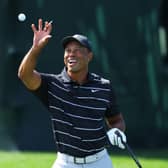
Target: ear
90	56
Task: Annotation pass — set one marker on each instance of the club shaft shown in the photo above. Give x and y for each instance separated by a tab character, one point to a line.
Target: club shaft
129	150
133	155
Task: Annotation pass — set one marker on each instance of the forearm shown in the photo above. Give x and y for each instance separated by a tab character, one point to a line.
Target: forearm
27	67
116	122
29	62
120	125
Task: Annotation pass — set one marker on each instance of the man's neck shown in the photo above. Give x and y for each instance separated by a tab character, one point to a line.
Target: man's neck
79	77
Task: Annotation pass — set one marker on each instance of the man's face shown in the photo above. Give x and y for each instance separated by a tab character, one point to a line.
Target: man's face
76	57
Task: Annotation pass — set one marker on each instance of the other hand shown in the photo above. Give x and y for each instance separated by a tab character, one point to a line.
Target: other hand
117	137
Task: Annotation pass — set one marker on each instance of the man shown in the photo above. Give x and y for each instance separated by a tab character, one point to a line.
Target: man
79	102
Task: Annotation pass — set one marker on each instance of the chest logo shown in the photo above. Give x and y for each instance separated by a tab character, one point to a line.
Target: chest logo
94	90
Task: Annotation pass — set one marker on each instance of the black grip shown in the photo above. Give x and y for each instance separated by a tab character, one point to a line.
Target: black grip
119	135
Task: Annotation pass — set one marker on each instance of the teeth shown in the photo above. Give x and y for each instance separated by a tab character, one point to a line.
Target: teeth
72	61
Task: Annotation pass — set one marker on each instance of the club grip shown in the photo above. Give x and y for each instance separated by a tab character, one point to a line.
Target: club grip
119	135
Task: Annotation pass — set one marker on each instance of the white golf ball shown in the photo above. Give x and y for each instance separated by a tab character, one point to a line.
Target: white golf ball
21	17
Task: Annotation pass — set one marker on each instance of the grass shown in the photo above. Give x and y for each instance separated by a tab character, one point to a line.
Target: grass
151	159
147	158
26	159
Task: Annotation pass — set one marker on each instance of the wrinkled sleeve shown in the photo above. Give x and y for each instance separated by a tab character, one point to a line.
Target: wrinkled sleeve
42	91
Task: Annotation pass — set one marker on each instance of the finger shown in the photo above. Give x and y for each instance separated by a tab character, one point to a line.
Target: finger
115	140
120	144
45	27
46	39
49	28
40	24
50	22
121	135
124	139
46	23
33	28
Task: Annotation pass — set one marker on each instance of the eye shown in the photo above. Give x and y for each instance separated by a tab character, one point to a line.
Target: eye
77	50
67	50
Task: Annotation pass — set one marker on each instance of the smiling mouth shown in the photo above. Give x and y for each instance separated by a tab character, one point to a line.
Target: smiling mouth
72	62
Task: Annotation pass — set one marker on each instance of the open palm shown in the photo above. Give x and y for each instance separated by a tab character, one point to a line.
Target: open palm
42	34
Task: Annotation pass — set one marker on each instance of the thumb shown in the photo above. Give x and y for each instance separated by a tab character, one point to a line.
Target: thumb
45	40
121	135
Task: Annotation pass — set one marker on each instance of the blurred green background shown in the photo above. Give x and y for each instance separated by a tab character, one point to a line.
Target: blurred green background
127	51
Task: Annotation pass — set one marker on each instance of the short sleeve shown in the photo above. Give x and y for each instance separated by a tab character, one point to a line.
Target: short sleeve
113	108
42	91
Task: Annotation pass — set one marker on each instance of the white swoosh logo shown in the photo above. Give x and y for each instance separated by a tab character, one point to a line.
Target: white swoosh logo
93	90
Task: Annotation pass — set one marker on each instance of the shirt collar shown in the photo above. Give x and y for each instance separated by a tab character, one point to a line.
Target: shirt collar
67	79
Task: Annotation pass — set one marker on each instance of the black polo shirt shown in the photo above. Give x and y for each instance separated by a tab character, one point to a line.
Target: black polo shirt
78	111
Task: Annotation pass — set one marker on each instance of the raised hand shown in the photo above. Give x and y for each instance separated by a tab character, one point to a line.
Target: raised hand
42	34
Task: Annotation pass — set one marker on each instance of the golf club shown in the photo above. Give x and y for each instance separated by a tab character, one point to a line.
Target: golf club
129	150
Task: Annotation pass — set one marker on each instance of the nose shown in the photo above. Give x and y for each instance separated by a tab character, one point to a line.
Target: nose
70	53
